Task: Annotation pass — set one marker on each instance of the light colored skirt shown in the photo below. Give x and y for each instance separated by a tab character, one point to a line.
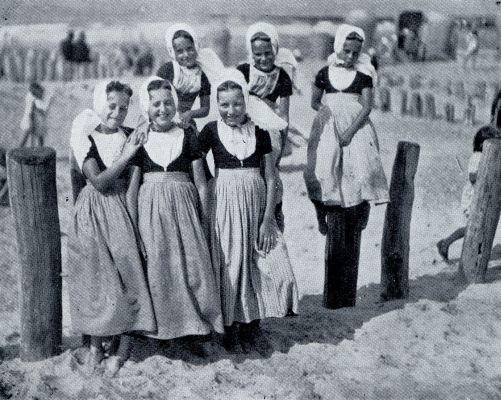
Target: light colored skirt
180	275
252	286
108	292
344	176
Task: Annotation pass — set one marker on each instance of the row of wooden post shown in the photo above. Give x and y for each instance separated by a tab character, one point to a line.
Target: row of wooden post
51	66
420	107
33	197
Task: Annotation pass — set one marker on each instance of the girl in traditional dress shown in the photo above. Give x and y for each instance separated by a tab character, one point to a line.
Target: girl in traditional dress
190	71
344	173
269	81
107	286
173	216
248	250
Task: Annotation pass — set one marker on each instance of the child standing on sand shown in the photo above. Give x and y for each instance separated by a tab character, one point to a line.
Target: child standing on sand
248	251
484	133
344	173
107	287
173	222
34	121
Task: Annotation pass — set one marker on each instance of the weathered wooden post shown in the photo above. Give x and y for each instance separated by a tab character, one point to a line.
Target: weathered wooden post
403	102
429	106
416	108
31	174
30	71
484	214
396	233
449	112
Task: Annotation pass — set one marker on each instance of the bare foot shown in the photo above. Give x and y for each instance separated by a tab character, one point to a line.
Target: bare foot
94	358
113	365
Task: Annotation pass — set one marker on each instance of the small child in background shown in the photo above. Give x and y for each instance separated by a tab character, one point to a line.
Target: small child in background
34	122
484	133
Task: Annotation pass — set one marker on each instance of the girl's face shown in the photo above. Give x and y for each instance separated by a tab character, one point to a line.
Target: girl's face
231	104
114	112
262	55
185	52
162	108
350	53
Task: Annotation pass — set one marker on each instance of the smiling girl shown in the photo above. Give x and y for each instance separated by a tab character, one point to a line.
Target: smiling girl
248	250
172	219
272	84
107	286
188	71
344	173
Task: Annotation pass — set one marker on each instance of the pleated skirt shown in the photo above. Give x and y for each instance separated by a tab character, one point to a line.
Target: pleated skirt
108	292
253	286
180	274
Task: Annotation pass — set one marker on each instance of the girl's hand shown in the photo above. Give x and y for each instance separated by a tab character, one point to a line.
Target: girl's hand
345	139
142	131
267	237
186	119
132	145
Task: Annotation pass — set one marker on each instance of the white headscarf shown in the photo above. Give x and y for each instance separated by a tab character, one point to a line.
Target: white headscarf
85	124
161	148
363	63
258	111
268	29
144	98
207	59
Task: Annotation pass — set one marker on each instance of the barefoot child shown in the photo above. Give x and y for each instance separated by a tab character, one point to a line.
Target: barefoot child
273	85
173	221
34	121
484	133
248	251
344	173
107	288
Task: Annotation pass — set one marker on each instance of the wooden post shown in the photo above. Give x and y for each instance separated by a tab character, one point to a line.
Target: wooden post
416	109
395	243
429	106
31	174
484	214
449	112
403	103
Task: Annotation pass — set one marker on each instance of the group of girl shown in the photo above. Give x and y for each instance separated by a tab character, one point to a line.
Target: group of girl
155	248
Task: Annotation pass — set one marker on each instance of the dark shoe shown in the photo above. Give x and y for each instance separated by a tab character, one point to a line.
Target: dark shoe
231	339
198	346
253	339
443	250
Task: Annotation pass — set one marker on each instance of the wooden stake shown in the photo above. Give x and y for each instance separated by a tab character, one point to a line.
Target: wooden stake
31	174
396	233
484	215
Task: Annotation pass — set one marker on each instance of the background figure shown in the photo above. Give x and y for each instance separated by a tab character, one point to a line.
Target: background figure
81	50
484	133
66	46
472	48
34	121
